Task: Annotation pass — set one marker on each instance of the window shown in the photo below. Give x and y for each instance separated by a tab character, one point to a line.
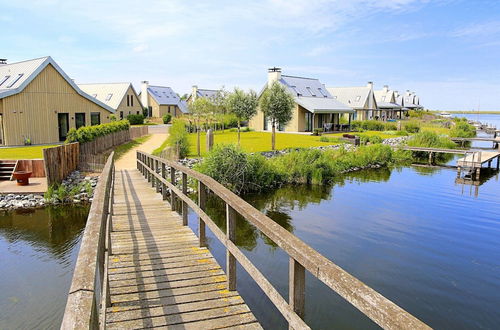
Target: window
322	92
79	119
295	90
168	107
383	98
15	80
128	101
310	91
110	95
95	118
121	115
131	100
137	112
358	98
4	80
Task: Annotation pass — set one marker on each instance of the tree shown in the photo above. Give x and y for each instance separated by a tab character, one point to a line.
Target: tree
219	101
199	109
242	105
277	105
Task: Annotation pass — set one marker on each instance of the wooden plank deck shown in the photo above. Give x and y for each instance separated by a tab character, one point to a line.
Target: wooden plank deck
474	160
158	274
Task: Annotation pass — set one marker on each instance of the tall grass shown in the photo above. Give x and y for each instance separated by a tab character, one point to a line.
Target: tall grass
429	139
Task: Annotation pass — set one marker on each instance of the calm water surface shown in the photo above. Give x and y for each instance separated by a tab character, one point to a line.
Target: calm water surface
38	251
412	234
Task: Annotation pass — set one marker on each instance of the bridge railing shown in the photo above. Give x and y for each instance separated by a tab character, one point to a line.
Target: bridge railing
88	293
302	257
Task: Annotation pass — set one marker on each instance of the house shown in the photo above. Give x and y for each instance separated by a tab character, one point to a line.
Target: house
199	92
314	106
39	103
121	97
161	100
361	99
387	106
411	101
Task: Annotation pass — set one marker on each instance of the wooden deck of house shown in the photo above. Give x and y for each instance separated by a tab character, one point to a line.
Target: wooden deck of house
158	274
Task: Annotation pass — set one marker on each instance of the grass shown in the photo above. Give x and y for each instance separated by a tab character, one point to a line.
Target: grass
257	141
28	152
381	134
435	129
158	150
124	148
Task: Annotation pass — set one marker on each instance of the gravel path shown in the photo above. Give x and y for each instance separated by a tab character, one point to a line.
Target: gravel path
128	160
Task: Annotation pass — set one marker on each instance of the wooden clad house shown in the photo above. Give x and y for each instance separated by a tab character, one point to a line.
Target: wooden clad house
39	103
121	97
359	98
314	106
161	100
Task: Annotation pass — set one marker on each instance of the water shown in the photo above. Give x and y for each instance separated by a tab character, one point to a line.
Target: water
491	119
38	250
412	234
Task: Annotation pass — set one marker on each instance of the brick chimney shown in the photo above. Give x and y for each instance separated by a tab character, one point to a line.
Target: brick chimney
386	88
273	74
370	84
144	93
194	92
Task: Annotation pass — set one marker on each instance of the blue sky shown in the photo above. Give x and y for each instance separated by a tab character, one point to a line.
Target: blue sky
447	51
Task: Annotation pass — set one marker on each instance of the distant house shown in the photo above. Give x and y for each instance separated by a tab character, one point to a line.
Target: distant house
199	92
387	106
39	103
360	98
411	101
161	100
119	96
314	105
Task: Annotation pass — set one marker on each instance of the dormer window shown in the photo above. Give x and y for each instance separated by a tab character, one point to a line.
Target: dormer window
322	92
310	91
110	95
4	79
358	98
383	98
295	90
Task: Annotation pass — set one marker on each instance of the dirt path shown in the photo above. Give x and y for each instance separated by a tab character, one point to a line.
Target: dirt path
128	161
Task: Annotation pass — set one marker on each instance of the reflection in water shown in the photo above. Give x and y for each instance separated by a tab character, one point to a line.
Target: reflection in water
38	250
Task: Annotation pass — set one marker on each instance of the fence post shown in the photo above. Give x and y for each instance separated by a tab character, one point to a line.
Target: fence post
164	176
297	286
153	178
230	259
184	204
202	201
157	181
172	194
148	166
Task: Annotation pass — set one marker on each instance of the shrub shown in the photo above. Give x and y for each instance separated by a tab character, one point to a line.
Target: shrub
135	119
178	138
90	133
112	118
375	139
324	139
412	127
463	129
166	118
401	133
391	127
367	125
317	131
431	140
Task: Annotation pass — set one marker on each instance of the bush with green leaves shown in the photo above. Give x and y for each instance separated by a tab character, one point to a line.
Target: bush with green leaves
135	119
167	118
391	127
112	118
317	131
412	127
429	139
462	129
367	125
178	138
324	139
90	133
374	139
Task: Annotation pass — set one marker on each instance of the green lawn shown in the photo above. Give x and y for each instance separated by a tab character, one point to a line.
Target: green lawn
382	135
29	152
124	148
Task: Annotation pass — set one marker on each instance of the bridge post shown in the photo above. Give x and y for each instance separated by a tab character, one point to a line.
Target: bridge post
297	287
184	204
163	186
153	178
148	164
172	194
430	157
230	259
158	183
202	201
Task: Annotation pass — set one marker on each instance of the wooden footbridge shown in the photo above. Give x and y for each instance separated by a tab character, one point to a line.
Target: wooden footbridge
141	266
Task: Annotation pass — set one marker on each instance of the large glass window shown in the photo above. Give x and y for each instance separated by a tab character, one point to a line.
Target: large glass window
309	117
79	119
95	118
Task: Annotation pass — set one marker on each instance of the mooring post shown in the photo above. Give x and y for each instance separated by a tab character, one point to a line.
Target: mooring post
478	172
297	287
498	163
164	176
230	259
202	201
172	194
430	158
184	204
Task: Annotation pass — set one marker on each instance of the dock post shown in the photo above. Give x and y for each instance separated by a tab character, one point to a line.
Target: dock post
478	172
184	204
498	163
297	287
230	259
202	201
430	158
459	171
172	194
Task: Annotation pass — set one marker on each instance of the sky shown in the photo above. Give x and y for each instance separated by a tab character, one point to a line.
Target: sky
447	51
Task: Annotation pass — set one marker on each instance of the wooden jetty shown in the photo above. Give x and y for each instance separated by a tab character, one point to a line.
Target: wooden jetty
474	162
141	266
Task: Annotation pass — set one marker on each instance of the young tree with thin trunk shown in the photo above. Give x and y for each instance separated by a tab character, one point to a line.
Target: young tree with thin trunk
219	102
199	109
277	105
242	105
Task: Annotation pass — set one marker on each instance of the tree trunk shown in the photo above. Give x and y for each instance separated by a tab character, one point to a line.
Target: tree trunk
273	137
238	132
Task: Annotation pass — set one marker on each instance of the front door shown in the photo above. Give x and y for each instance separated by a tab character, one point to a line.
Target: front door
63	124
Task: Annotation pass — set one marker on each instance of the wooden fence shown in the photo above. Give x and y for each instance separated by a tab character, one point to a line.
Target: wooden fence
103	143
60	161
138	131
35	166
88	292
302	257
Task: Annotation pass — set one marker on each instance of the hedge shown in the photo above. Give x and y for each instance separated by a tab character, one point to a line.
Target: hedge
90	133
136	119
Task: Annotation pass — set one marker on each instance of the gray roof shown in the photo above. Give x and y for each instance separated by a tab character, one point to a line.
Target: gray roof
102	91
386	99
388	105
354	97
209	93
15	77
166	96
312	95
